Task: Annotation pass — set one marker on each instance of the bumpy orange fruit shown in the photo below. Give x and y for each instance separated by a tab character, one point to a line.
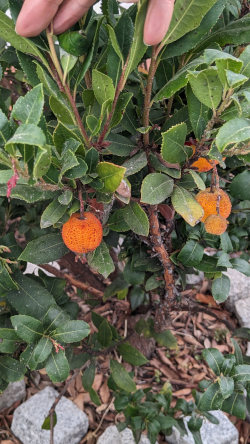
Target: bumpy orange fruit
211	200
82	235
215	224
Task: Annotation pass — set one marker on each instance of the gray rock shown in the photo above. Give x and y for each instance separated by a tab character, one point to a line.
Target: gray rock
113	436
242	310
16	391
72	423
239	288
194	279
223	433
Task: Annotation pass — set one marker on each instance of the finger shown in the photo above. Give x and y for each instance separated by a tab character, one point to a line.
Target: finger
157	21
35	16
69	13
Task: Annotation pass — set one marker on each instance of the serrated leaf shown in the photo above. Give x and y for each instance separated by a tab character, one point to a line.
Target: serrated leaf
206	86
27	328
186	17
44	249
166	339
185	204
62	110
135	163
198	113
42	161
71	331
28	109
214	358
240	185
66	197
226	386
11	370
47	422
121	377
89	376
31	298
28	134
104	335
136	219
198	180
101	260
131	354
111	175
221	288
52	213
156	187
42	350
57	366
173	149
102	86
233	132
191	254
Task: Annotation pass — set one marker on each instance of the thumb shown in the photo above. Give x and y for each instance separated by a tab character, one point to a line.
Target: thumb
157	21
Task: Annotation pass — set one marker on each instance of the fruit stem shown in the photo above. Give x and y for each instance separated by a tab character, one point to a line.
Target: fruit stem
147	97
79	187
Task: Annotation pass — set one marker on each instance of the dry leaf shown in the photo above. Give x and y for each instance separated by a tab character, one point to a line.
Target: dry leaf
182	392
104	393
79	400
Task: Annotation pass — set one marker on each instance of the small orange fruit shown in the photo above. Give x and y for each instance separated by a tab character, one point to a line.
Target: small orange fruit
82	235
211	201
215	224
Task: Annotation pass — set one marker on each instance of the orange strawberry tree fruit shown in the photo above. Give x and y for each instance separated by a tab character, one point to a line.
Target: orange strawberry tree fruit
142	176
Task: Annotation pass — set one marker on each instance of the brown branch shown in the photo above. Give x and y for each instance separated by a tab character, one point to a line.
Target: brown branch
167	164
147	97
72	280
79	187
160	249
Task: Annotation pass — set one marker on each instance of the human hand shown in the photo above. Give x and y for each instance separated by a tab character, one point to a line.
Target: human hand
36	15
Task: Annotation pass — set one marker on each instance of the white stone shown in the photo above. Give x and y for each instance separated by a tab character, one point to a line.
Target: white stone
16	391
223	433
239	288
113	436
72	423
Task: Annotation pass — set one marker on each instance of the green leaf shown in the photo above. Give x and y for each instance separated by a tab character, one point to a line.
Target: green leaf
27	328
104	335
11	370
211	399
138	47
91	159
89	376
8	333
131	354
31	298
28	109
185	204
221	288
241	265
66	197
242	373
52	213
28	68
46	423
27	193
94	397
206	86
6	282
50	86
5	128
69	162
240	185
245	58
74	43
28	134
120	109
101	260
44	249
156	187
62	110
117	221
135	163
173	149
233	132
191	254
198	113
68	62
242	332
121	377
136	219
214	358
235	80
166	339
198	180
7	32
114	42
42	350
42	161
103	87
71	331
111	175
57	366
235	405
186	17
226	386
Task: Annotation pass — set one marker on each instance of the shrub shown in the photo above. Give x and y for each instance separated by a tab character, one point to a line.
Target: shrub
83	129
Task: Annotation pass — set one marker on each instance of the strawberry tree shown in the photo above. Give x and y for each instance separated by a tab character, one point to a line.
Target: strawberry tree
93	120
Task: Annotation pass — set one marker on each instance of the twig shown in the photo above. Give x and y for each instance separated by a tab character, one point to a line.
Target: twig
79	186
147	97
73	281
49	32
103	417
161	251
